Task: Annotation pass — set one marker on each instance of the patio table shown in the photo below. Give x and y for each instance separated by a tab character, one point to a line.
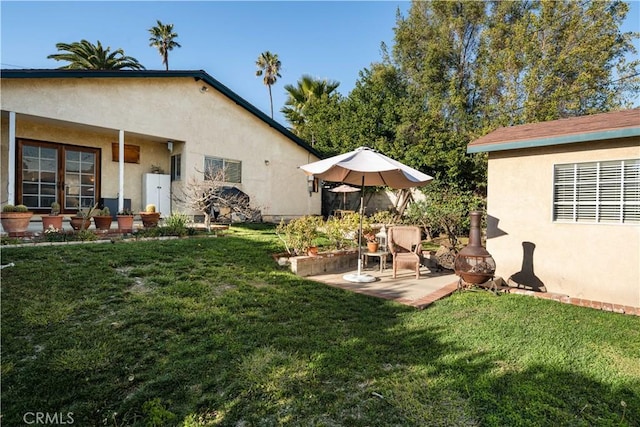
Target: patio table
379	254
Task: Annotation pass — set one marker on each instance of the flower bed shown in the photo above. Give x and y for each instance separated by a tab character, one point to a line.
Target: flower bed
323	263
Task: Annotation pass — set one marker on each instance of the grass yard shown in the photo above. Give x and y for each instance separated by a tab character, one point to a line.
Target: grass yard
210	331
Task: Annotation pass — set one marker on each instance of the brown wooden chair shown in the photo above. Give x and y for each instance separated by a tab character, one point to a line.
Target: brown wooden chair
405	245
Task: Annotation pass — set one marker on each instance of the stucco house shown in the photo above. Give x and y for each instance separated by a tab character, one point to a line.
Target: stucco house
563	207
84	136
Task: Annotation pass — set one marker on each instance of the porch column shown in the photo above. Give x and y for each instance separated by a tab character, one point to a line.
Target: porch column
121	171
11	168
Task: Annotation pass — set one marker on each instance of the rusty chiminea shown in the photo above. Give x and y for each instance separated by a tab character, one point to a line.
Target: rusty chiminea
474	264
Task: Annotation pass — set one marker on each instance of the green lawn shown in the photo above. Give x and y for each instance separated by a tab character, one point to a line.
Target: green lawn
210	331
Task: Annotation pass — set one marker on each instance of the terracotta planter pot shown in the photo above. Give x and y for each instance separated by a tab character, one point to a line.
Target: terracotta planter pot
15	222
52	220
150	219
125	223
312	251
372	246
79	223
103	222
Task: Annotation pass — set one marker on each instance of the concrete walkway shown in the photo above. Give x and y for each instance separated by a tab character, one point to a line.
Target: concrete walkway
405	288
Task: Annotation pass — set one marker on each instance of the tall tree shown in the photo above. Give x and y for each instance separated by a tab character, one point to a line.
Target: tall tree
84	55
553	59
162	38
300	95
460	69
474	66
269	65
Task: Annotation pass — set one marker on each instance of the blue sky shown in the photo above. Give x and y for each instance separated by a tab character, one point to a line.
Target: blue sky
326	39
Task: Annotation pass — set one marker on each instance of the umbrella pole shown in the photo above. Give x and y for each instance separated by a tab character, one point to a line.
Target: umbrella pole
360	278
360	230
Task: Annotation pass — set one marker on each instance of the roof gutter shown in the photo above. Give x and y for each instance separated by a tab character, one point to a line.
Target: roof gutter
556	140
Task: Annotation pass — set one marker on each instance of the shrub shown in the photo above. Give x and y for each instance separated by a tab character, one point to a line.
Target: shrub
150	208
298	234
86	236
342	232
9	208
445	211
176	224
384	217
22	208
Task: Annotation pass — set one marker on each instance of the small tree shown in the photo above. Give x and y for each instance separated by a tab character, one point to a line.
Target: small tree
445	210
208	196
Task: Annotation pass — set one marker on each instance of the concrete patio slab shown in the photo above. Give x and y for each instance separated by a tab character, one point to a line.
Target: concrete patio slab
405	288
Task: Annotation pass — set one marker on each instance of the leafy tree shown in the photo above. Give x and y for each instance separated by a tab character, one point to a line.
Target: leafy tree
460	69
324	124
84	55
162	38
552	59
446	210
269	65
300	96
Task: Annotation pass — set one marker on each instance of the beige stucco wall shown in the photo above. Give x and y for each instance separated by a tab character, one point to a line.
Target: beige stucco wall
152	111
599	262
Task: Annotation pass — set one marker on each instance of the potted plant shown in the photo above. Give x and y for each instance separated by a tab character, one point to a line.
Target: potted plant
372	242
125	220
15	219
149	216
54	219
82	219
103	219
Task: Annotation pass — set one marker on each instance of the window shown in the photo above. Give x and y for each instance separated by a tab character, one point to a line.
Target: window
222	169
176	167
601	192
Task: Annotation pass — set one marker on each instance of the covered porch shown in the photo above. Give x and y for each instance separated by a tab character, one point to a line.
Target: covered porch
79	164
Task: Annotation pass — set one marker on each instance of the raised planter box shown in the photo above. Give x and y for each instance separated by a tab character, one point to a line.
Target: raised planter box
323	263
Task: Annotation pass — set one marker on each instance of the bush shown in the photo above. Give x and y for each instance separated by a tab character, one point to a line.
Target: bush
298	234
446	210
176	224
384	217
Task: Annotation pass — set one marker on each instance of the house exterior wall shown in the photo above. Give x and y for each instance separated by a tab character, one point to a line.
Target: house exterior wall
600	262
152	111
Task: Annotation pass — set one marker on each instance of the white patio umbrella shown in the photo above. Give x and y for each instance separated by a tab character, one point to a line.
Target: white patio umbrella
344	189
365	167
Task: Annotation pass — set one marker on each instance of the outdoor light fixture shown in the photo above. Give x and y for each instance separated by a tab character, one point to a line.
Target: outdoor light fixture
266	162
311	181
204	89
170	145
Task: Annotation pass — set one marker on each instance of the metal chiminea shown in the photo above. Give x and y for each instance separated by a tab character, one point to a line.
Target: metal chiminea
474	264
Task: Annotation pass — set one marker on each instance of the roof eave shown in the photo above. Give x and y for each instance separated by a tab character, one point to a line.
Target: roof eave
196	74
556	140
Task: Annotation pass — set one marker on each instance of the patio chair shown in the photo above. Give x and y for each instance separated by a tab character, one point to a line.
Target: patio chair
406	248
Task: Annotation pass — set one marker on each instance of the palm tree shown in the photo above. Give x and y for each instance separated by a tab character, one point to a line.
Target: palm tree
269	65
162	38
84	55
306	90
